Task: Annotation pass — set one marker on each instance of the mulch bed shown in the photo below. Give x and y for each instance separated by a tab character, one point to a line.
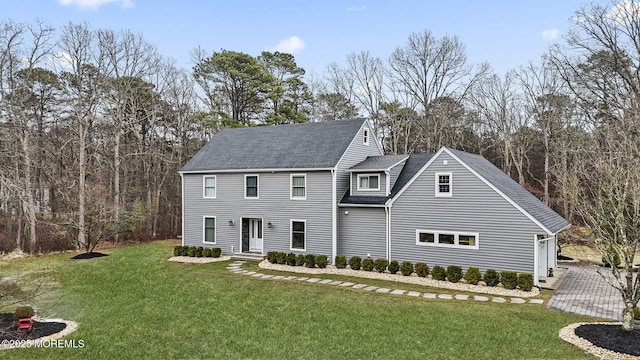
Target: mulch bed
611	337
91	255
9	329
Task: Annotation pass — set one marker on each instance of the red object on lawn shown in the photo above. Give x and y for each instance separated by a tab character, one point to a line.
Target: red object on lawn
25	324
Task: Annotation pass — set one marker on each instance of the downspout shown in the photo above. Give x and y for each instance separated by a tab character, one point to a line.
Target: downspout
387	211
334	217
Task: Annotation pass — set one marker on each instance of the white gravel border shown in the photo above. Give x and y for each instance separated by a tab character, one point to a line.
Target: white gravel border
71	327
412	279
198	260
568	334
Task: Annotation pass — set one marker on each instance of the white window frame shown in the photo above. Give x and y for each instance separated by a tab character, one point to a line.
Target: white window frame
365	136
359	176
437	187
456	234
257	186
291	235
204	186
204	229
291	196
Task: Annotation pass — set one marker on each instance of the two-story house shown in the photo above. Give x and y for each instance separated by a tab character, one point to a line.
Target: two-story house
327	188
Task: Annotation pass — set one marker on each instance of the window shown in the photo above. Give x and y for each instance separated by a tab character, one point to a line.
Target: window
298	234
210	230
209	183
368	182
365	137
447	239
443	185
251	186
298	186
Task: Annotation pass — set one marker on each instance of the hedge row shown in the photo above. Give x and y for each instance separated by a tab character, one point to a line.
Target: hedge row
308	260
196	251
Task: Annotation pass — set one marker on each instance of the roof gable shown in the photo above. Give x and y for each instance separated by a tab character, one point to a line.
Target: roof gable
297	146
379	163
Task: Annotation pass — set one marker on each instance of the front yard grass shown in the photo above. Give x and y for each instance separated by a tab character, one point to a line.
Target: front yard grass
135	304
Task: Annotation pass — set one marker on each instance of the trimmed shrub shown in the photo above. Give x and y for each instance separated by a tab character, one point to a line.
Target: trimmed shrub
341	261
611	257
216	252
300	260
525	281
206	252
394	267
491	277
291	259
322	261
380	265
454	273
199	251
406	268
192	251
271	257
355	262
22	312
184	251
473	276
422	269
281	258
177	250
310	260
367	264
438	273
509	279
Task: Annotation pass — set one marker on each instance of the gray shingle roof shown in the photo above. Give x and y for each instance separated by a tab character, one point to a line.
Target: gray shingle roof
379	163
297	146
523	198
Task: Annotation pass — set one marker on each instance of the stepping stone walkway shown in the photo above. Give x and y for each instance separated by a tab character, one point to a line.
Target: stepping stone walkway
235	267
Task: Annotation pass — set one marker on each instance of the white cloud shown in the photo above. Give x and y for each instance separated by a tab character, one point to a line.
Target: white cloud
356	8
550	34
95	4
290	45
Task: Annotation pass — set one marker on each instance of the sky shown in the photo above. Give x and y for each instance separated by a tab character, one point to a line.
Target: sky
505	34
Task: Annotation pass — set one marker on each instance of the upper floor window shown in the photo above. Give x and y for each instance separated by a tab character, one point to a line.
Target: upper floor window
368	182
365	136
209	183
444	185
298	186
251	186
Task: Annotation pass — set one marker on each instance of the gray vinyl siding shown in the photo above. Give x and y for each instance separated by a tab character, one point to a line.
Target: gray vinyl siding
274	205
382	182
362	232
395	172
506	236
355	154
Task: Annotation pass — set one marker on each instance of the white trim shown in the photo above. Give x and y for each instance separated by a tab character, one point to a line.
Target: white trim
204	230
437	181
456	234
182	205
204	186
365	136
416	176
244	188
359	176
291	176
291	235
378	170
189	172
334	216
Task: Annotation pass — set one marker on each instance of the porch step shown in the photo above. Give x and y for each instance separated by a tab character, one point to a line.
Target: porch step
247	257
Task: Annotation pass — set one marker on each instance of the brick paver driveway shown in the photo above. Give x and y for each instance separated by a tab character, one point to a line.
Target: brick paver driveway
583	291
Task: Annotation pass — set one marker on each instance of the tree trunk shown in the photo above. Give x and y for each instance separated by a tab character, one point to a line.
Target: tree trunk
116	179
627	315
28	201
81	184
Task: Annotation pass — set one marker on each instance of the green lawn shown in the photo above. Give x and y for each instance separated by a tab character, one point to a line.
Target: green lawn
135	304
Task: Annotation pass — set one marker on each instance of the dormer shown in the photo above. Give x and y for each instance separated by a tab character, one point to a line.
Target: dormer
376	175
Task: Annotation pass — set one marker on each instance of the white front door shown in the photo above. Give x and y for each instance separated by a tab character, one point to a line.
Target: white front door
543	263
255	235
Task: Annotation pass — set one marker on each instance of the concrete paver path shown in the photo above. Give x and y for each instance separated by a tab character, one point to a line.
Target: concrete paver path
585	292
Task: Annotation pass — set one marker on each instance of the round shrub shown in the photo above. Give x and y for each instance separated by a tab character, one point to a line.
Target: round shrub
422	269
454	273
438	273
473	276
216	252
341	261
509	279
206	252
394	267
199	251
322	261
192	251
271	257
281	258
406	268
310	260
291	259
177	250
23	311
184	251
611	257
367	264
525	281
300	260
380	265
355	262
491	277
